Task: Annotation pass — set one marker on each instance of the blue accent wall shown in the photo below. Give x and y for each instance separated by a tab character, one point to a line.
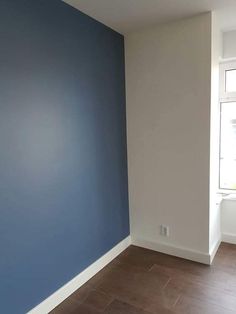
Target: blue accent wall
63	168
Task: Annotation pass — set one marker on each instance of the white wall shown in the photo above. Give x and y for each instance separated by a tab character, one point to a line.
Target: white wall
229	44
168	76
228	221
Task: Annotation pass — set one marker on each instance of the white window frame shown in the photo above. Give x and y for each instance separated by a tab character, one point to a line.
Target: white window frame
224	67
225	97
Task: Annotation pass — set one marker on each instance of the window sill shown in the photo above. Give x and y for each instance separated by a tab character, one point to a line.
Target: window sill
227	195
226	192
230	197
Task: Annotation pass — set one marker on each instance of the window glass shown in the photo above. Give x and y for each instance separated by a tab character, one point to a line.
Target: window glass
228	146
230	81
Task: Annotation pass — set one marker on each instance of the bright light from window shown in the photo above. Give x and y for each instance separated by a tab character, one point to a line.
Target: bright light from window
228	146
230	81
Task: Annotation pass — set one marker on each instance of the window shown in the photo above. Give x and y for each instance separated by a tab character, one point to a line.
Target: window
227	172
230	81
228	146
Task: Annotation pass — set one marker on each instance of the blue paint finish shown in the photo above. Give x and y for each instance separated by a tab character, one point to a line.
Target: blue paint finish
63	172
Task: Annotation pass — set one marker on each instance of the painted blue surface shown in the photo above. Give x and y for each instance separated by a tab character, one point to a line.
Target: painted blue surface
63	172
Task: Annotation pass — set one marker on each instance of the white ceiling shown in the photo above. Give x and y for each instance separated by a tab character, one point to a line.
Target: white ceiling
129	15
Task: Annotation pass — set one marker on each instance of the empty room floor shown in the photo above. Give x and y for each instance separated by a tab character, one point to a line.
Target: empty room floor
141	281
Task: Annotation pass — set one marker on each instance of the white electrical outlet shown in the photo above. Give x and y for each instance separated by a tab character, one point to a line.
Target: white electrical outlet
164	231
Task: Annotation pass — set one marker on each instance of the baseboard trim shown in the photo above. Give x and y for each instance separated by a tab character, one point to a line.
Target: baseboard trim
165	248
64	292
214	250
229	238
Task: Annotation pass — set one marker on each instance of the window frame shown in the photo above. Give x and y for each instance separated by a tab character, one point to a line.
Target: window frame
225	97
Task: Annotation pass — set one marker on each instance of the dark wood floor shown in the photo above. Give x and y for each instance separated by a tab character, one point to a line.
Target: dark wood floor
141	281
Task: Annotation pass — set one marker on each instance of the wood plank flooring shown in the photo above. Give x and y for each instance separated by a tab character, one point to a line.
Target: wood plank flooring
141	281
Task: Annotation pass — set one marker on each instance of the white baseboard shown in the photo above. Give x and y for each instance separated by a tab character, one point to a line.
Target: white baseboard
64	292
214	250
186	253
229	238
